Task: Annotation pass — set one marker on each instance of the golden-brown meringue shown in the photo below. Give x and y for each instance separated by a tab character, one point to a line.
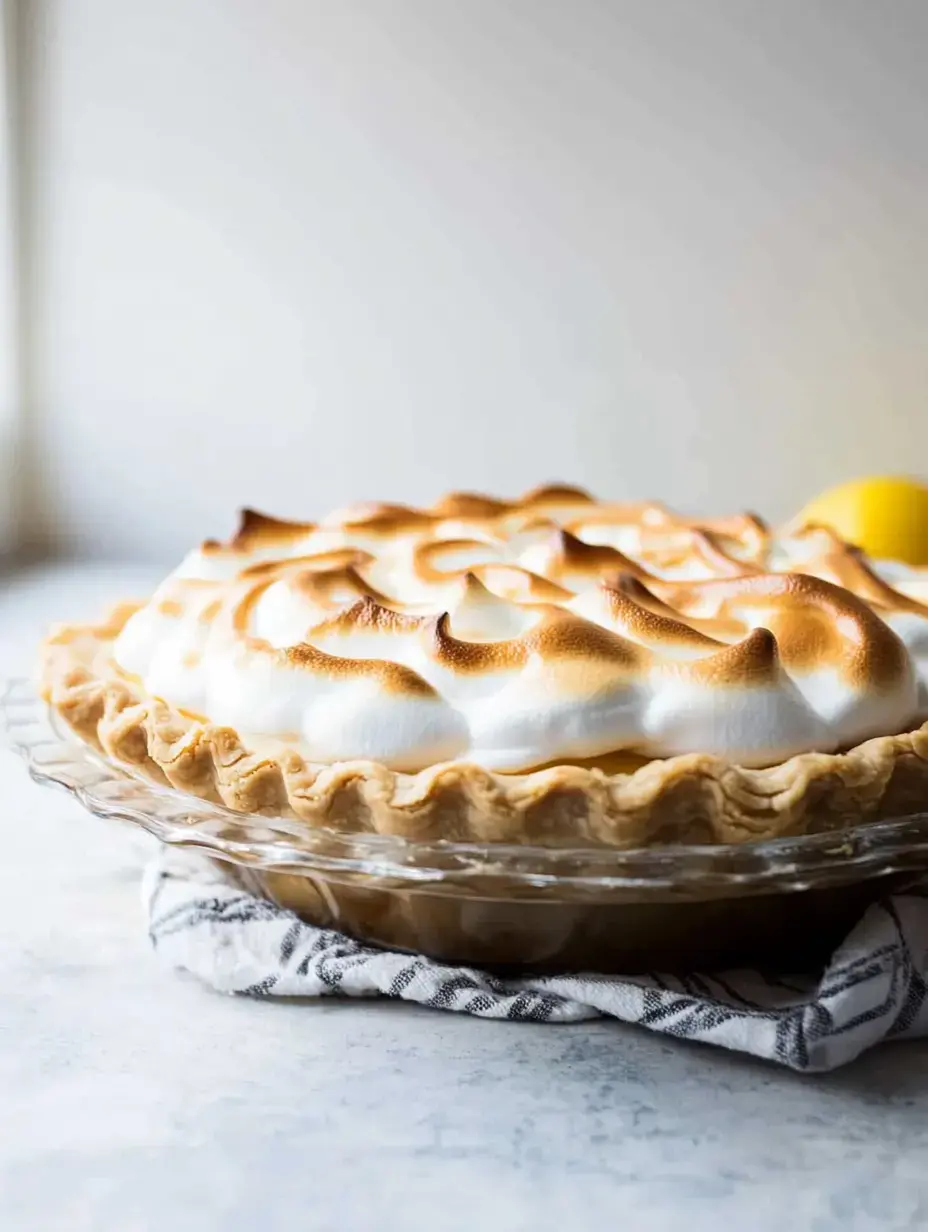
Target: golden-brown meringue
517	633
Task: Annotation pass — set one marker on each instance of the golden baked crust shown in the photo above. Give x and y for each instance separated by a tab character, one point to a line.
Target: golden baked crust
690	798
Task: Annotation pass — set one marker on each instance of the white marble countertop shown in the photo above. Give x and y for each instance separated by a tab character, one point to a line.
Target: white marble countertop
133	1099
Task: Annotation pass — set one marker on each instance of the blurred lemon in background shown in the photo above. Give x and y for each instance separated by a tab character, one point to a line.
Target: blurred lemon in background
887	516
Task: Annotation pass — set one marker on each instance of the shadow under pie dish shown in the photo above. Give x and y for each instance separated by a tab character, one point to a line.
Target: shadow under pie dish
551	672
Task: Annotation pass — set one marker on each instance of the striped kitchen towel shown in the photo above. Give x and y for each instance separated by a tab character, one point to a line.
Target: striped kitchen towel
873	989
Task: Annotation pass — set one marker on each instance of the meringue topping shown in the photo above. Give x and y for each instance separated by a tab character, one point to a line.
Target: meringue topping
518	633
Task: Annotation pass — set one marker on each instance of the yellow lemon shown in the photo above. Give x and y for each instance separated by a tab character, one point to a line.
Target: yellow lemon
886	516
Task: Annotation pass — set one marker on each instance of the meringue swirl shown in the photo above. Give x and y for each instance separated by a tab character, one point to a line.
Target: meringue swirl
518	633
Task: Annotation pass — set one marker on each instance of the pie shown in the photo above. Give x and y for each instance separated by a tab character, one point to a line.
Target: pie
550	670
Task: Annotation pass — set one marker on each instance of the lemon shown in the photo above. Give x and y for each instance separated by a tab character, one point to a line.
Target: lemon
887	516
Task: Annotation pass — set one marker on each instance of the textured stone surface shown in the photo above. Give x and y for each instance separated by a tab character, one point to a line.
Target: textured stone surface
133	1099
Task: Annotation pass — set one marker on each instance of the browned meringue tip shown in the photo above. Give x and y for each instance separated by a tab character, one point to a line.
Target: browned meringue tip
716	629
377	518
321	562
470	658
806	529
469	505
737	526
393	677
631	605
800	526
254	527
473	588
630	584
520	585
556	494
647	514
708	547
569	552
564	635
557	636
369	615
850	570
319	584
753	662
847	566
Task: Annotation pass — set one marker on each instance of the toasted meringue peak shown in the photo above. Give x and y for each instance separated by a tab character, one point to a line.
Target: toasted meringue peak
254	527
520	585
374	517
253	530
557	494
514	633
631	610
564	558
469	505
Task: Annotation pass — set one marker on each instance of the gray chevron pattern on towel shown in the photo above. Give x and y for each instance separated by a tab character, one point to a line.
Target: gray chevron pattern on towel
873	989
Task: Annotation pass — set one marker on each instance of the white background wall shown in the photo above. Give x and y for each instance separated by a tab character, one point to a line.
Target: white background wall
9	334
293	252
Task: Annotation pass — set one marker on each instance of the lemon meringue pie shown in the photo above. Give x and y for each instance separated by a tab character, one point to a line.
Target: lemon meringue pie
551	669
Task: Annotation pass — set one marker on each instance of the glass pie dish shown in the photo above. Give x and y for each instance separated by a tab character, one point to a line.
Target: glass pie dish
783	903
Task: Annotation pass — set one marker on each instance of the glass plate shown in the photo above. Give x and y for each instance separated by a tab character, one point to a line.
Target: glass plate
781	901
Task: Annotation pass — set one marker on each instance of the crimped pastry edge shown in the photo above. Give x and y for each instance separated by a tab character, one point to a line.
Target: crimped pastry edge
693	798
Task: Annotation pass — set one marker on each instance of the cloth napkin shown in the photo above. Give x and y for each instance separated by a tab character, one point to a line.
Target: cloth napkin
873	989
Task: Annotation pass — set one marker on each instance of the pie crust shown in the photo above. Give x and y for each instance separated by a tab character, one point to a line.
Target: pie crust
689	798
